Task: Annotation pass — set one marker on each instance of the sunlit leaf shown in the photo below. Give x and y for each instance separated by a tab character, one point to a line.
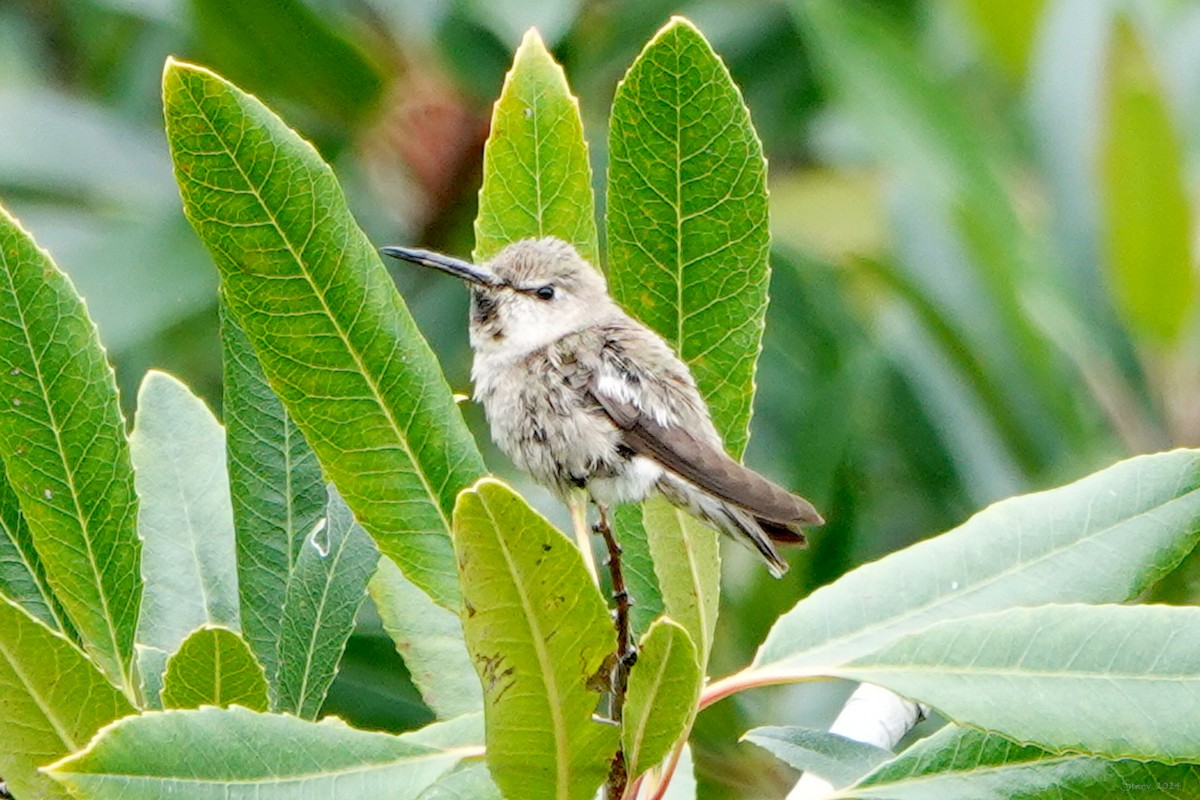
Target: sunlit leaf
664	685
214	667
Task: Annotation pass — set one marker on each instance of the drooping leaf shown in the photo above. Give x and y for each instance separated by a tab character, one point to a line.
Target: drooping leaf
660	702
1092	679
536	177
837	760
973	765
540	637
62	440
326	589
687	217
22	577
214	667
235	753
184	517
334	338
430	640
54	699
1147	214
687	561
1105	538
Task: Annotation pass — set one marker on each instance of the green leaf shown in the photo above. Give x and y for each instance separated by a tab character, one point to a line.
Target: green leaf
22	576
327	588
637	564
235	753
1105	538
333	336
254	41
44	682
184	517
1009	30
664	686
536	177
683	784
214	667
62	440
687	217
836	759
540	637
1148	217
687	560
464	782
430	640
1093	679
278	495
973	765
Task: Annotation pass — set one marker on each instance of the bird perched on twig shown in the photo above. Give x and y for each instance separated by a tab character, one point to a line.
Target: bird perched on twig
581	395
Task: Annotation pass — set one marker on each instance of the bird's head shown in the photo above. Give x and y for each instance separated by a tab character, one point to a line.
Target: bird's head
528	295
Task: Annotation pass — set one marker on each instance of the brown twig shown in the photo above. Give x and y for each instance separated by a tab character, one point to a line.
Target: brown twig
626	655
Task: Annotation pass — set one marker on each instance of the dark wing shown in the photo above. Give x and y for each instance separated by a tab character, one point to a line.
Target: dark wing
709	467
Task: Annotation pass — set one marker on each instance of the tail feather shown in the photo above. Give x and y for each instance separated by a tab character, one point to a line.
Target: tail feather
736	523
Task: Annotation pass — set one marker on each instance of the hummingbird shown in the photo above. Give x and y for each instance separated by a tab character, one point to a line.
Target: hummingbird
581	395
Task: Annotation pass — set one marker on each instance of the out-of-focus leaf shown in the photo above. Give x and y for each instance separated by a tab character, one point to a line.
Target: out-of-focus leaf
278	497
536	177
284	48
1091	679
327	586
1105	538
837	760
235	753
214	667
22	577
1008	30
687	217
664	685
973	765
333	336
430	640
54	700
184	517
683	785
62	440
540	637
1148	217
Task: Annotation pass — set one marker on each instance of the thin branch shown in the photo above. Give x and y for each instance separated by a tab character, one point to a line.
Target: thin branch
626	654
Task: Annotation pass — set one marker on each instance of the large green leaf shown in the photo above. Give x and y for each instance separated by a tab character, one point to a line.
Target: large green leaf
540	637
536	177
277	490
465	782
1148	217
22	576
687	217
54	699
687	561
214	667
1105	538
62	440
973	765
1092	679
835	759
637	564
430	640
327	588
236	753
334	338
184	517
664	685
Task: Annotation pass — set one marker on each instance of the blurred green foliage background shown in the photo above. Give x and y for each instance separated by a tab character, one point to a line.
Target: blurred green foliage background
983	212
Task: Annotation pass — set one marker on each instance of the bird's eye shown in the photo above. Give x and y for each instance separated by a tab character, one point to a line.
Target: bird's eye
545	293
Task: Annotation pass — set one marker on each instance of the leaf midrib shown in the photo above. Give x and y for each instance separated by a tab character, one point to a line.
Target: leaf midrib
653	689
123	667
859	633
350	348
35	696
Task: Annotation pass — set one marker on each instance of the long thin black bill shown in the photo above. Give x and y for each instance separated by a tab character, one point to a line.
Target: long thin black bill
453	266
